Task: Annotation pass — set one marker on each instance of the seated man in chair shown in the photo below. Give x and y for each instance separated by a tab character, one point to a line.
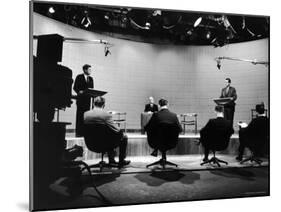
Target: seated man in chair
164	116
255	136
216	134
99	116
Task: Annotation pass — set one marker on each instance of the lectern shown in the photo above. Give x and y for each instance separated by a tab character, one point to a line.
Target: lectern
222	101
94	93
91	93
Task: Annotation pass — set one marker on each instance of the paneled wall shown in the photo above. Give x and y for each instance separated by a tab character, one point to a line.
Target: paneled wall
185	75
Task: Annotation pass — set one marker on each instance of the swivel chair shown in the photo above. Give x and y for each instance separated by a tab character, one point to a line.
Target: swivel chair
101	138
163	138
256	138
215	140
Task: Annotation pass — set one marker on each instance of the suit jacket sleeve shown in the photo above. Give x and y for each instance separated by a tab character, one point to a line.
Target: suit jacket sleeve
151	124
234	94
221	96
155	108
179	125
146	108
77	84
206	128
110	123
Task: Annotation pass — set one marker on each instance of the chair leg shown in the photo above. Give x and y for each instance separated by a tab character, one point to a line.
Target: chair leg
170	163
214	160
162	162
155	163
252	158
86	167
222	161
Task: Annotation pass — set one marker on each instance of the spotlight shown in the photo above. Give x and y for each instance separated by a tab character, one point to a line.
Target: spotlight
189	32
106	16
51	10
106	51
197	22
147	25
208	35
157	12
86	21
218	63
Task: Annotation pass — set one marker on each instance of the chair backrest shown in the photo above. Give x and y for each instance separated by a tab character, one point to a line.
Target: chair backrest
216	139
163	137
258	134
100	137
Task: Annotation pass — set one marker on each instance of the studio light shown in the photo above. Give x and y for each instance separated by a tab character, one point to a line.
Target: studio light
208	35
106	16
218	63
51	10
86	21
147	25
189	32
157	12
106	51
197	22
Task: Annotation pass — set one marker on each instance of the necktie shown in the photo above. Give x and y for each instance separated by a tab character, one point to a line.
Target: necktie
227	89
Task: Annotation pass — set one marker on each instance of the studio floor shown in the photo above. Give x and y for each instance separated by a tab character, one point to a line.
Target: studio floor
136	184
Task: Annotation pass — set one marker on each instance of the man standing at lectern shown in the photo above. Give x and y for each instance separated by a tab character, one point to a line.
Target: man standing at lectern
81	84
229	108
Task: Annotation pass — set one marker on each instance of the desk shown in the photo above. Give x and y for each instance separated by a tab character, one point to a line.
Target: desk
185	120
119	118
145	117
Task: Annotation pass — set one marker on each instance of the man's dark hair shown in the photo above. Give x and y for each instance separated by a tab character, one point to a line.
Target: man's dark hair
228	79
219	108
86	66
99	101
163	102
260	108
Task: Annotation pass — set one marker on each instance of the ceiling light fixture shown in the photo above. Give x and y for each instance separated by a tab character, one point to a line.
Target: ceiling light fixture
51	10
156	12
106	16
208	35
86	21
147	25
106	51
197	22
218	63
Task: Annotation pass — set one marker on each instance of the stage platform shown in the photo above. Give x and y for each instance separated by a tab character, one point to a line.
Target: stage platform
138	146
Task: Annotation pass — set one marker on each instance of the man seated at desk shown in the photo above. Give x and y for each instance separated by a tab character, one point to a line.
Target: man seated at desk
100	116
151	107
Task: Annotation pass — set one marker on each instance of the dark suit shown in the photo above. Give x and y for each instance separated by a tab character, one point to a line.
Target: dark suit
255	136
229	108
216	134
83	102
151	108
164	116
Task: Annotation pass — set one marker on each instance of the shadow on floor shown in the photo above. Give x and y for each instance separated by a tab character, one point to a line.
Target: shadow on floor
241	173
159	178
